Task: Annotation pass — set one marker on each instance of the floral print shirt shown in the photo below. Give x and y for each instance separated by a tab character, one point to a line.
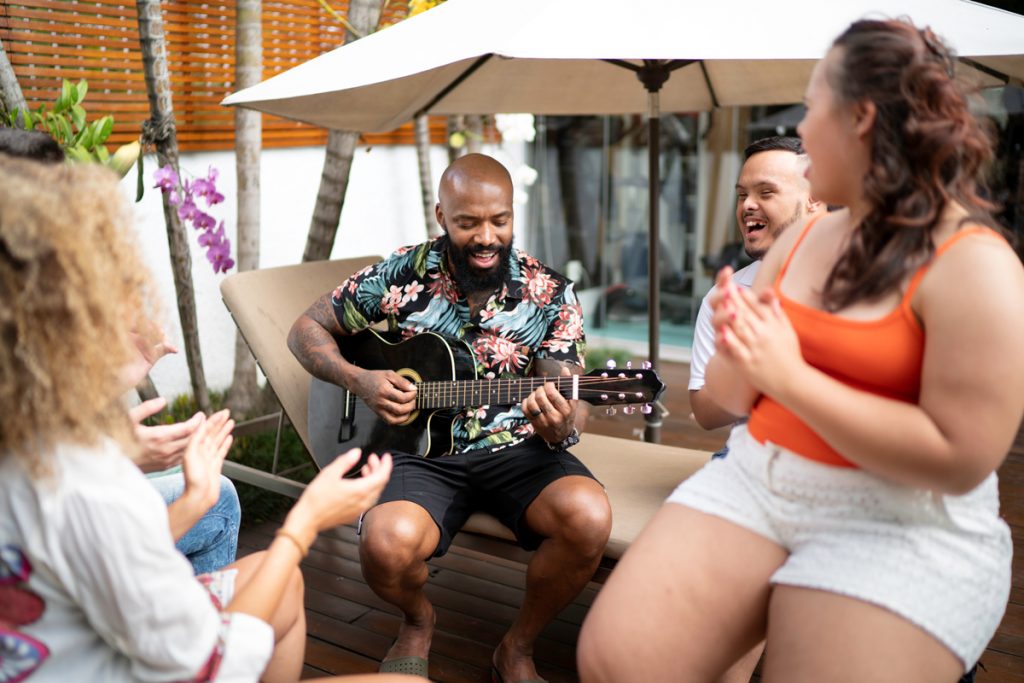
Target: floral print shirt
535	315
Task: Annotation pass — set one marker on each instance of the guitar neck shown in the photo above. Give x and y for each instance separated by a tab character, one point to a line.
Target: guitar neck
460	394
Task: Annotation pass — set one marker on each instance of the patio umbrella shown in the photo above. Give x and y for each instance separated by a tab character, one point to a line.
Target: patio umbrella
567	57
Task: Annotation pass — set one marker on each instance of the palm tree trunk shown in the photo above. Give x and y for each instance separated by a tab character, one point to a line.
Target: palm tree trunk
426	179
160	130
248	141
10	92
474	133
363	16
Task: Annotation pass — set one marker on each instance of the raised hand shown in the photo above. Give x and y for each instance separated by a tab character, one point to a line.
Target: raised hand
551	414
204	458
757	336
162	445
387	393
331	499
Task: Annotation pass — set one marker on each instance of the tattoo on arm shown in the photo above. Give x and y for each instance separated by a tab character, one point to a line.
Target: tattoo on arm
312	341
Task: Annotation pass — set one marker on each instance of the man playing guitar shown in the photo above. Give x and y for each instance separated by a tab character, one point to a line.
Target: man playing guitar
519	318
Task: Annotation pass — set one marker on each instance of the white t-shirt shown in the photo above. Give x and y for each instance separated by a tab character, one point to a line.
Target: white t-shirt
704	332
102	593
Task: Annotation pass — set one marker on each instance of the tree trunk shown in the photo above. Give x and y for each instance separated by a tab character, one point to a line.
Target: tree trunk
363	16
426	179
244	391
474	134
456	122
160	128
10	91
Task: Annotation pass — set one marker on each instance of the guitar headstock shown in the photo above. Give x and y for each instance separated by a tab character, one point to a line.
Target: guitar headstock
629	386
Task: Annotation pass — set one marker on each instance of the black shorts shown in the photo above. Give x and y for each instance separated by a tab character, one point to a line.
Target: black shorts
502	482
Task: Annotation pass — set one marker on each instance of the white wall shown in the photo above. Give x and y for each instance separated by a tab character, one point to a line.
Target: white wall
382	212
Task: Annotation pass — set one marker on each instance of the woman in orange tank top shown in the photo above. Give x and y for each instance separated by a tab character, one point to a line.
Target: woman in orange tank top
855	522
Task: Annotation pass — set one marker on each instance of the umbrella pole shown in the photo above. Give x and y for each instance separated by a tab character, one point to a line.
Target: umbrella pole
652	428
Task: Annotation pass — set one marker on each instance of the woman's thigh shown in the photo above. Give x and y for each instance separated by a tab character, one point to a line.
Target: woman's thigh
687	599
815	635
291	605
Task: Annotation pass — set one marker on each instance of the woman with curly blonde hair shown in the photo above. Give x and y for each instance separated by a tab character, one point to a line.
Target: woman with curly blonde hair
91	585
856	521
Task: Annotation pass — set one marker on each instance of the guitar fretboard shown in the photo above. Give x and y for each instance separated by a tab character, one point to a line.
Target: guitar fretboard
466	393
473	393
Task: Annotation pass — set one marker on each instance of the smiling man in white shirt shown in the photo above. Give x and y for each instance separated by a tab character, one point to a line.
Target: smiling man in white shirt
771	195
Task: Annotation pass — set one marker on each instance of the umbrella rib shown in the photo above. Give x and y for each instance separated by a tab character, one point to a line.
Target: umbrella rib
994	73
711	88
454	84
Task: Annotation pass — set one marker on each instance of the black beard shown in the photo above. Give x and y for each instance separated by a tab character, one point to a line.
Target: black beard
472	281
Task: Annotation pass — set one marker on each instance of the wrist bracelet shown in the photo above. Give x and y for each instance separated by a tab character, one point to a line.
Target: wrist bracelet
303	550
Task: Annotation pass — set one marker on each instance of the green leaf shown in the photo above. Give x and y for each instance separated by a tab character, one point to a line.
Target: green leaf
101	153
80	90
64	101
140	185
105	128
78	116
78	153
85	138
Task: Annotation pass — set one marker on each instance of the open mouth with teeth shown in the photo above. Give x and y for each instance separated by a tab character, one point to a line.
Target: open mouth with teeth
754	226
484	260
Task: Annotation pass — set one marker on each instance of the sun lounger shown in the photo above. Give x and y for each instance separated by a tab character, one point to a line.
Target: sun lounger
264	303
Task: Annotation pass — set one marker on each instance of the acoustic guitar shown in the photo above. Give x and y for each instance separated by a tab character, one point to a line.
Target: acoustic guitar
444	372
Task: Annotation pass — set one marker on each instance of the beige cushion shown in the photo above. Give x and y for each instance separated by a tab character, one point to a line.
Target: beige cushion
265	303
638	477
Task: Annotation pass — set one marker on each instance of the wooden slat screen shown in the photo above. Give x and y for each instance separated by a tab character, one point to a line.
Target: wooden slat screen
47	40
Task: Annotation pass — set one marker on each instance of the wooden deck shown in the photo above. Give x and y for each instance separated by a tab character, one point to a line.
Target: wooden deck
476	596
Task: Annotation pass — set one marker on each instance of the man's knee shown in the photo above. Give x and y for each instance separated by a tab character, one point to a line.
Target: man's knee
394	538
582	517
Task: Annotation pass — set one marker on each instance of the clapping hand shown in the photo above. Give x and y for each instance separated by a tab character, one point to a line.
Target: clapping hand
162	445
331	499
755	334
204	458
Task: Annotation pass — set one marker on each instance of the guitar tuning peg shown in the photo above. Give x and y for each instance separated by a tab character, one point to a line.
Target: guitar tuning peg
604	375
604	397
622	397
629	410
610	410
646	365
639	394
622	375
629	365
646	409
610	364
639	376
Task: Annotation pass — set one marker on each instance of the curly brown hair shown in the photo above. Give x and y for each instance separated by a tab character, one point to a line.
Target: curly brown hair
72	289
927	150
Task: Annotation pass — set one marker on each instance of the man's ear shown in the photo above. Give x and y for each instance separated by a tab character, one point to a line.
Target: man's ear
439	215
864	113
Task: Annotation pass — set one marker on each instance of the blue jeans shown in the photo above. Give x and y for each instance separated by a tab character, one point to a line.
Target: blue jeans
210	544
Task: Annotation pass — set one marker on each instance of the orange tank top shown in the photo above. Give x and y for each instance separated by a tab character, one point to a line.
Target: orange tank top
882	356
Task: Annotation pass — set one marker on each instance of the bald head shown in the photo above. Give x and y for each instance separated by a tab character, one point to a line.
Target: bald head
471	171
475	210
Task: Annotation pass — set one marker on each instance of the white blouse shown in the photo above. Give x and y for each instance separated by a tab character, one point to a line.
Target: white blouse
94	590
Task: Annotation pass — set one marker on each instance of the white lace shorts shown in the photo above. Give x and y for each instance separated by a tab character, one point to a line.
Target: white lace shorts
941	562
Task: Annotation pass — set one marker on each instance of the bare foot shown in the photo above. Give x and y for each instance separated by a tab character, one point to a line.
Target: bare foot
514	664
414	635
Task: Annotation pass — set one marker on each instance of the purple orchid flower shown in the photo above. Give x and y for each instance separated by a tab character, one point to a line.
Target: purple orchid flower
166	178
